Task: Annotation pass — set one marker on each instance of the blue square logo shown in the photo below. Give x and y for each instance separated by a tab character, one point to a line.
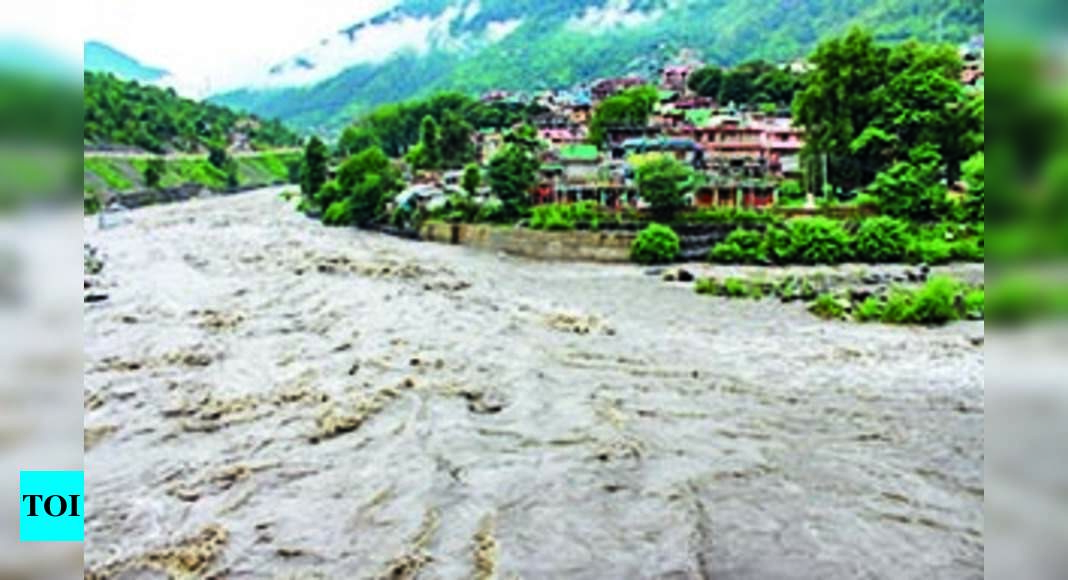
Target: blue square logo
51	506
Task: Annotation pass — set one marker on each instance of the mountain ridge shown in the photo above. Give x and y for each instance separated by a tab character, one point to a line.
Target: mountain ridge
423	46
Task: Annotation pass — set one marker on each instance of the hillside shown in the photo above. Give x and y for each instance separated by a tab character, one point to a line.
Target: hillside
422	46
101	58
127	114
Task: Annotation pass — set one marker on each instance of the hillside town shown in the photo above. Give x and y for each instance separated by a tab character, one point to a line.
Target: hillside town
741	153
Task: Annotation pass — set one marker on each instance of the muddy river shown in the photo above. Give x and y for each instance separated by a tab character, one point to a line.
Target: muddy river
267	397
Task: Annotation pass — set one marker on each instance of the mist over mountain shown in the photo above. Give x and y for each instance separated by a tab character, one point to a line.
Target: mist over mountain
422	46
102	58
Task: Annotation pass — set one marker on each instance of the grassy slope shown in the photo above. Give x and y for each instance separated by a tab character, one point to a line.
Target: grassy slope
125	174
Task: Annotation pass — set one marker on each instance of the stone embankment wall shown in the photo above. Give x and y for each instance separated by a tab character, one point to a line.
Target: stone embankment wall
576	245
592	246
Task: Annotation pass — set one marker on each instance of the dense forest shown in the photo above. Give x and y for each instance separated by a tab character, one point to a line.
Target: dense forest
127	113
558	43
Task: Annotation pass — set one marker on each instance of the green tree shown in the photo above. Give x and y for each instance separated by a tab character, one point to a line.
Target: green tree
631	107
913	189
457	147
313	167
663	182
367	179
427	154
217	155
975	179
355	138
840	99
154	171
706	81
472	179
513	171
866	106
363	185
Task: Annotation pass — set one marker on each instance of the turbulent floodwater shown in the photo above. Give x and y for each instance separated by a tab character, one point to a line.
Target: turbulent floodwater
266	397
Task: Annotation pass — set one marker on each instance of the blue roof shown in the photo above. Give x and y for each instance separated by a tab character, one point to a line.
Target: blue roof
660	144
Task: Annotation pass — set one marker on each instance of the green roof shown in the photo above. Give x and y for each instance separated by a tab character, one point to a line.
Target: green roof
579	152
699	117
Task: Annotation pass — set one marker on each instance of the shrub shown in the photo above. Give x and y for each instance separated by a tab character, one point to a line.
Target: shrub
929	251
551	217
791	190
936	302
655	244
870	309
741	247
492	210
90	203
897	307
730	288
881	239
338	213
967	250
793	288
975	303
778	245
818	240
827	306
736	288
706	286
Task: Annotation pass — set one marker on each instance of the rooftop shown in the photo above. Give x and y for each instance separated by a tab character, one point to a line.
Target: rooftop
579	152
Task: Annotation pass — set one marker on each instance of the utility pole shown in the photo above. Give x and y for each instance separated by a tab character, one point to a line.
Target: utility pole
824	175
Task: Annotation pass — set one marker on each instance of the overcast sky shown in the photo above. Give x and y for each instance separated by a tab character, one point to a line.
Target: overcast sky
216	42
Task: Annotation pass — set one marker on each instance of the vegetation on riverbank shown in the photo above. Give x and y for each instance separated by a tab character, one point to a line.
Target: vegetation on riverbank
937	300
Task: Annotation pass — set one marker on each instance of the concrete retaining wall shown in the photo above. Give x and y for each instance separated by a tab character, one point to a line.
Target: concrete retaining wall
609	246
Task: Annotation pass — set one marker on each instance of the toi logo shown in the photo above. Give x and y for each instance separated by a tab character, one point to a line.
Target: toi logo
51	506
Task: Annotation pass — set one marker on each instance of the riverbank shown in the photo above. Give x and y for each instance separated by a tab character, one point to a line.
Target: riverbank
285	398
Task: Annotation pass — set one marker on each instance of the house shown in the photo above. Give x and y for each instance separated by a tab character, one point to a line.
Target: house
494	96
615	135
579	112
604	88
580	161
735	193
741	141
681	148
674	77
563	135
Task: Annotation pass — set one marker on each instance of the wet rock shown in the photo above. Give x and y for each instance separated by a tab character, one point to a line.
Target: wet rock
859	294
287	552
874	278
677	275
